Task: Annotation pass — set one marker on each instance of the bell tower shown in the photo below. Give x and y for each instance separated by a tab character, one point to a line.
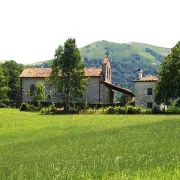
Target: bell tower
106	70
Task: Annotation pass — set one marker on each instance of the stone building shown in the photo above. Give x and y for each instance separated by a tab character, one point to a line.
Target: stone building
98	89
144	91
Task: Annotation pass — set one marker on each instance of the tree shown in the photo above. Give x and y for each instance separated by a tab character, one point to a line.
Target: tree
12	70
39	93
122	100
168	86
68	73
3	86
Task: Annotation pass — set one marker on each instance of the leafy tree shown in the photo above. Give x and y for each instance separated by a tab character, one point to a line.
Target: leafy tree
168	86
12	70
68	73
123	100
3	86
39	93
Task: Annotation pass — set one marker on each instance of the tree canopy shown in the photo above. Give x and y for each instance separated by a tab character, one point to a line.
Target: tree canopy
11	71
168	86
68	73
3	86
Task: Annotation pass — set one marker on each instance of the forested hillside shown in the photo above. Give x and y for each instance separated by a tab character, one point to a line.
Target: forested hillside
125	58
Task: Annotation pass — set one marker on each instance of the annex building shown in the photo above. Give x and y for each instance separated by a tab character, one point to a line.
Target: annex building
144	93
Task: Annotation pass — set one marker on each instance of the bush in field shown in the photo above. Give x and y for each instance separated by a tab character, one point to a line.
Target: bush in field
109	110
147	111
24	106
120	110
48	110
133	110
173	110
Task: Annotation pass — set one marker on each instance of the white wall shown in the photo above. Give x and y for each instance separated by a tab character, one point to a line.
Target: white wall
141	97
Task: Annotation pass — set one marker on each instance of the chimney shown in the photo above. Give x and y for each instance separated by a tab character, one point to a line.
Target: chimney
139	73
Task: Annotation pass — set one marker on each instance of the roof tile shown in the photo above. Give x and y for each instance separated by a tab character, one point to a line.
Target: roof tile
46	72
147	78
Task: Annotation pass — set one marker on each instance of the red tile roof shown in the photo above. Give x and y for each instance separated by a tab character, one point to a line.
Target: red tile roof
117	88
147	79
46	72
93	71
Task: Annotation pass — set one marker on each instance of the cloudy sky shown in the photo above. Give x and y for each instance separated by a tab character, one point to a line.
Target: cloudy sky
31	30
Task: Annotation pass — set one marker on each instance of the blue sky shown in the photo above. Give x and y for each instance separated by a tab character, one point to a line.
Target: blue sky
31	30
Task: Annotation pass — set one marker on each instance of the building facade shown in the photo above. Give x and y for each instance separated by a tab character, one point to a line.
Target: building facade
144	91
98	88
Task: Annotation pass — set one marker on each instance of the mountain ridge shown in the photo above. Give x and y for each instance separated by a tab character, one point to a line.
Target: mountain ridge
126	59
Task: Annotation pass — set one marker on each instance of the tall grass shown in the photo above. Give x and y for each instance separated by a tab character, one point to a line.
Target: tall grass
34	146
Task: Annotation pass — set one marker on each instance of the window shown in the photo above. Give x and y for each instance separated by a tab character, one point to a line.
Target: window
32	89
150	105
149	91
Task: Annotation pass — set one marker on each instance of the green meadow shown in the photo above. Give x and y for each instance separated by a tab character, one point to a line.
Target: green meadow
34	146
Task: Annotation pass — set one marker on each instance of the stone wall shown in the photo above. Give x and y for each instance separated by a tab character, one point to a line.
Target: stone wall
96	92
93	90
141	97
26	84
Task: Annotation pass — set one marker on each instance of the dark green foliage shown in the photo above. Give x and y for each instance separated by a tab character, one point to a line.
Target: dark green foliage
109	110
122	110
24	106
133	110
148	111
51	109
11	71
30	107
2	105
157	56
177	103
3	85
122	100
173	110
168	86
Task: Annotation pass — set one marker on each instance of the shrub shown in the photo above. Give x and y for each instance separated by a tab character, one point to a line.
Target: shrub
147	111
120	110
133	110
173	110
45	110
48	110
131	103
32	108
156	110
109	110
2	105
24	106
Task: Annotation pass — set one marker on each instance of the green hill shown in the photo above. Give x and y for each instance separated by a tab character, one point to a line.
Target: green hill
126	58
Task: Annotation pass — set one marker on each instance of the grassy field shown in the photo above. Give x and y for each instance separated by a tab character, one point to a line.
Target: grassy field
34	146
